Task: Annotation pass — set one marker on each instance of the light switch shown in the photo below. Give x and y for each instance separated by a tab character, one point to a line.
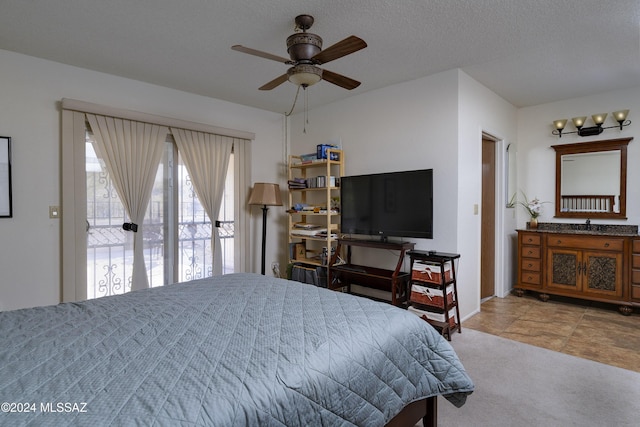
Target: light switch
54	212
475	209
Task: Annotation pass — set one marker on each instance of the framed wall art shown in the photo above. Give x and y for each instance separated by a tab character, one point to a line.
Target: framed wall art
6	210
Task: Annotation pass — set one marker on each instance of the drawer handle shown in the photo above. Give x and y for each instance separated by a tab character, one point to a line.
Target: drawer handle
530	252
606	245
530	240
559	242
530	265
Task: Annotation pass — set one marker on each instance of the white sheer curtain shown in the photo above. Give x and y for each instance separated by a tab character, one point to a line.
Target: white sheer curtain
206	157
242	216
131	151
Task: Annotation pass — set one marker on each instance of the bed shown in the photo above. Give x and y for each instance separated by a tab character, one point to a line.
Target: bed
234	350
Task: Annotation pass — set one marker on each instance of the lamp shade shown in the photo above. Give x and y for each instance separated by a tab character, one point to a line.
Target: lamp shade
304	75
579	121
599	119
621	115
265	194
559	124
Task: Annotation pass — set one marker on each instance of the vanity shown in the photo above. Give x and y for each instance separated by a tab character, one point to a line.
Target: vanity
596	262
598	265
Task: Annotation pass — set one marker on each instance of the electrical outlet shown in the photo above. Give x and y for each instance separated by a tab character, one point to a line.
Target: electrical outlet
54	212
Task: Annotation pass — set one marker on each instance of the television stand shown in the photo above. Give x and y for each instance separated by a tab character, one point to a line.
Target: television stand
394	281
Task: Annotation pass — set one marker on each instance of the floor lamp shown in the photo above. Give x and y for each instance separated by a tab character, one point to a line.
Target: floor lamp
266	195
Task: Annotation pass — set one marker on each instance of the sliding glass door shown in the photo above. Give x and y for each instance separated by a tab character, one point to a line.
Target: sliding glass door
177	231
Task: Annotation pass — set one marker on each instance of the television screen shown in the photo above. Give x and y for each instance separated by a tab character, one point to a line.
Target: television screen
394	204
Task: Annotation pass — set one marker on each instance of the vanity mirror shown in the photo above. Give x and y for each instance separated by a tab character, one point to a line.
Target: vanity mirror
591	179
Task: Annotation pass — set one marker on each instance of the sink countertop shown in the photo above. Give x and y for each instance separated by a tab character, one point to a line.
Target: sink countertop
592	229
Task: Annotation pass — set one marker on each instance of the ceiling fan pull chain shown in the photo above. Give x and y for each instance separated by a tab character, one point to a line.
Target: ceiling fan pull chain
306	109
295	100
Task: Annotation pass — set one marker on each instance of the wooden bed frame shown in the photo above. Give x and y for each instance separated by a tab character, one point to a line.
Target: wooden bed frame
425	409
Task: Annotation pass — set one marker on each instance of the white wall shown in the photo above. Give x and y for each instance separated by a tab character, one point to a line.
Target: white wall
481	110
31	89
433	122
536	158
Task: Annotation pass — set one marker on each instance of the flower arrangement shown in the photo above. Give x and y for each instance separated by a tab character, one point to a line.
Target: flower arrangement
533	206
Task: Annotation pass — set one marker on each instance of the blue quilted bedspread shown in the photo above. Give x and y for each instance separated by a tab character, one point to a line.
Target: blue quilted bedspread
236	350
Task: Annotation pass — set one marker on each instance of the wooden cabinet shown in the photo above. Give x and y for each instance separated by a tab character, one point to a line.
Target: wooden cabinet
586	266
314	185
589	265
635	271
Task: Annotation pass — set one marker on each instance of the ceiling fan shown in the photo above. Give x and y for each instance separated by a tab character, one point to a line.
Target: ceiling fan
306	54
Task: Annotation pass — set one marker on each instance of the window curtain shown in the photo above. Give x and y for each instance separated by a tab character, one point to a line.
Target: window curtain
131	152
242	186
206	157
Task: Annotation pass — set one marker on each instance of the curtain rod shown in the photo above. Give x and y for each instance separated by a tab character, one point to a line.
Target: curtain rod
88	107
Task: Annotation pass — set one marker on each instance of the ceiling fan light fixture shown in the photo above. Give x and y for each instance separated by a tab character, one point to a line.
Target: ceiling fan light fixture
304	75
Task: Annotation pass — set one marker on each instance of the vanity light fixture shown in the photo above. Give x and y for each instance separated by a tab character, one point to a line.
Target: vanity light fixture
598	119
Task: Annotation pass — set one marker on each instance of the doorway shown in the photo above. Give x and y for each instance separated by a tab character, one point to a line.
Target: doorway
488	219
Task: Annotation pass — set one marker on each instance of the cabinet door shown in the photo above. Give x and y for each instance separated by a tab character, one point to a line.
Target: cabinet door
564	269
603	273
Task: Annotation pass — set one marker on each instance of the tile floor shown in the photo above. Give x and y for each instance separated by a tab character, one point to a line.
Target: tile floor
591	331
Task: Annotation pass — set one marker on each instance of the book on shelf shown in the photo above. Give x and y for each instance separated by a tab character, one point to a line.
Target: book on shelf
300	251
296	183
324	234
318	232
305	159
323	181
306	225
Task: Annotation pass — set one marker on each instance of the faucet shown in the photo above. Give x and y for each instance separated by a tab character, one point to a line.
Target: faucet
588	223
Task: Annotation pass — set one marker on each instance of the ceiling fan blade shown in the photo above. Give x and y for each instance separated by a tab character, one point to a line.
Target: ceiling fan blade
275	82
342	48
339	80
260	53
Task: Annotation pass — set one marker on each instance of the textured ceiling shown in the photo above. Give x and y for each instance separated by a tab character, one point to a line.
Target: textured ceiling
528	52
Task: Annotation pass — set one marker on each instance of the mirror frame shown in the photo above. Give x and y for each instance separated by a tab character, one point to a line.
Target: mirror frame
591	147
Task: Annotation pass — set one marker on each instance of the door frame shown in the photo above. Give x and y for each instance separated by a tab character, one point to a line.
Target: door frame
488	227
502	265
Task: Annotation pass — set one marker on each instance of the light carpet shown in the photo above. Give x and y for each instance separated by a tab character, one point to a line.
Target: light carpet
522	385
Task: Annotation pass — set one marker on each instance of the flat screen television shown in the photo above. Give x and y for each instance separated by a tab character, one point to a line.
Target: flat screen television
393	204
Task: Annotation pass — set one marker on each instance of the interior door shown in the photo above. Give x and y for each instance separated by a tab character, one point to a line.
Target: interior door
488	226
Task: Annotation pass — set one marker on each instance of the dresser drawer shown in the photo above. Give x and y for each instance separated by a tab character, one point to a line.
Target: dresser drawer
530	264
635	277
530	277
530	252
531	239
635	260
590	242
636	246
635	292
